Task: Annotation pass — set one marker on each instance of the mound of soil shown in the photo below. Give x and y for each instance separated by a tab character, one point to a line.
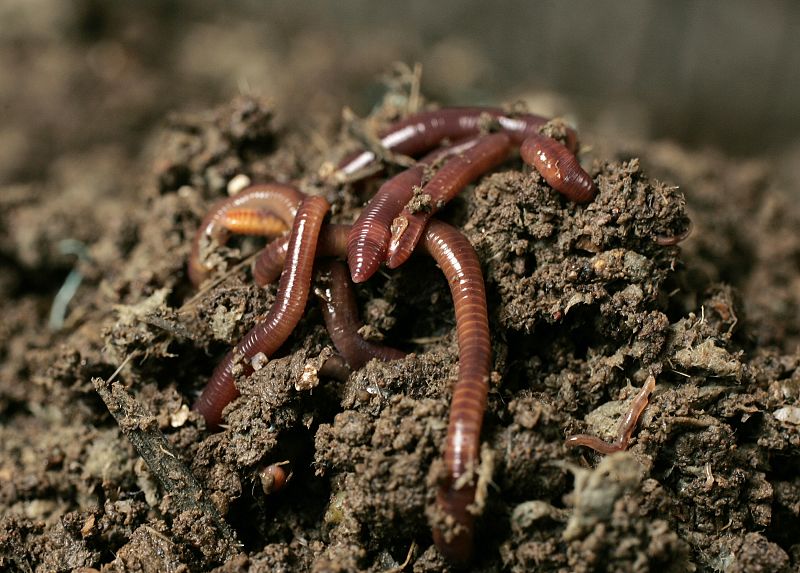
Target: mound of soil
585	304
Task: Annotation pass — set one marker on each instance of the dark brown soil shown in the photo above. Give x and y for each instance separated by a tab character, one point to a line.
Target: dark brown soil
584	305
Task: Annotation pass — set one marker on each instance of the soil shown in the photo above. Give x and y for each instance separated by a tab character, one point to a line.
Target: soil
584	302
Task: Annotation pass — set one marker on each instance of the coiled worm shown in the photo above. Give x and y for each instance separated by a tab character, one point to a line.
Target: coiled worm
279	200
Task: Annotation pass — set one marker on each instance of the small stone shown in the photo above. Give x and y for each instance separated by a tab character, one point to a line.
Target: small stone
178	419
259	361
238	183
788	415
309	379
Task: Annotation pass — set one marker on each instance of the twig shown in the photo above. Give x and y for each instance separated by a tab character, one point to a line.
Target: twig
207	286
141	428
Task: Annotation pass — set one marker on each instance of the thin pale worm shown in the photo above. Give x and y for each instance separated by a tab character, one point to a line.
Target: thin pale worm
341	319
559	167
281	200
626	426
456	173
457	258
268	335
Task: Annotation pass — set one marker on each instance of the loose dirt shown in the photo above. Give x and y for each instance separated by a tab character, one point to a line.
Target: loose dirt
584	304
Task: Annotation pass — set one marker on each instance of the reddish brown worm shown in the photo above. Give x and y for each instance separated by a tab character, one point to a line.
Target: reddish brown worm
626	425
457	258
268	335
340	312
339	307
670	240
280	200
335	367
423	131
269	263
369	239
455	174
559	167
274	477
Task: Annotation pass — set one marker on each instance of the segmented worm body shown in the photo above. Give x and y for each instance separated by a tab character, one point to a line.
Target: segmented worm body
340	312
423	131
339	308
457	258
281	201
379	222
369	238
626	425
457	172
389	229
269	263
253	222
268	335
559	167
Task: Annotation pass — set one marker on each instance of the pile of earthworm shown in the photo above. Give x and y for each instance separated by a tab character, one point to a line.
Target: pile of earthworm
457	146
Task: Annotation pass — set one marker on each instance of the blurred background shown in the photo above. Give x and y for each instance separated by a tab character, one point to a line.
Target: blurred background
84	75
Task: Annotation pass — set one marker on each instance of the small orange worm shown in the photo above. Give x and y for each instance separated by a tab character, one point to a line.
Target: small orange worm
280	200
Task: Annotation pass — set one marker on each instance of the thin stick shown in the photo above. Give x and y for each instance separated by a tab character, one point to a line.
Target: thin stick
141	428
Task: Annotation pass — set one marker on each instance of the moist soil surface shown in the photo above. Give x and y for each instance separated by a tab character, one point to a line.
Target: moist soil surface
103	466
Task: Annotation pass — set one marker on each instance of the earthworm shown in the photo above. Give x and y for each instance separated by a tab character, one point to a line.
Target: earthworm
279	199
335	367
457	258
423	131
670	240
341	319
559	167
253	222
370	236
626	425
456	173
268	335
459	263
274	477
268	264
339	306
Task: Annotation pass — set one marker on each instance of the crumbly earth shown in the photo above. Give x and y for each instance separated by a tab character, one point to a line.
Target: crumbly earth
584	303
